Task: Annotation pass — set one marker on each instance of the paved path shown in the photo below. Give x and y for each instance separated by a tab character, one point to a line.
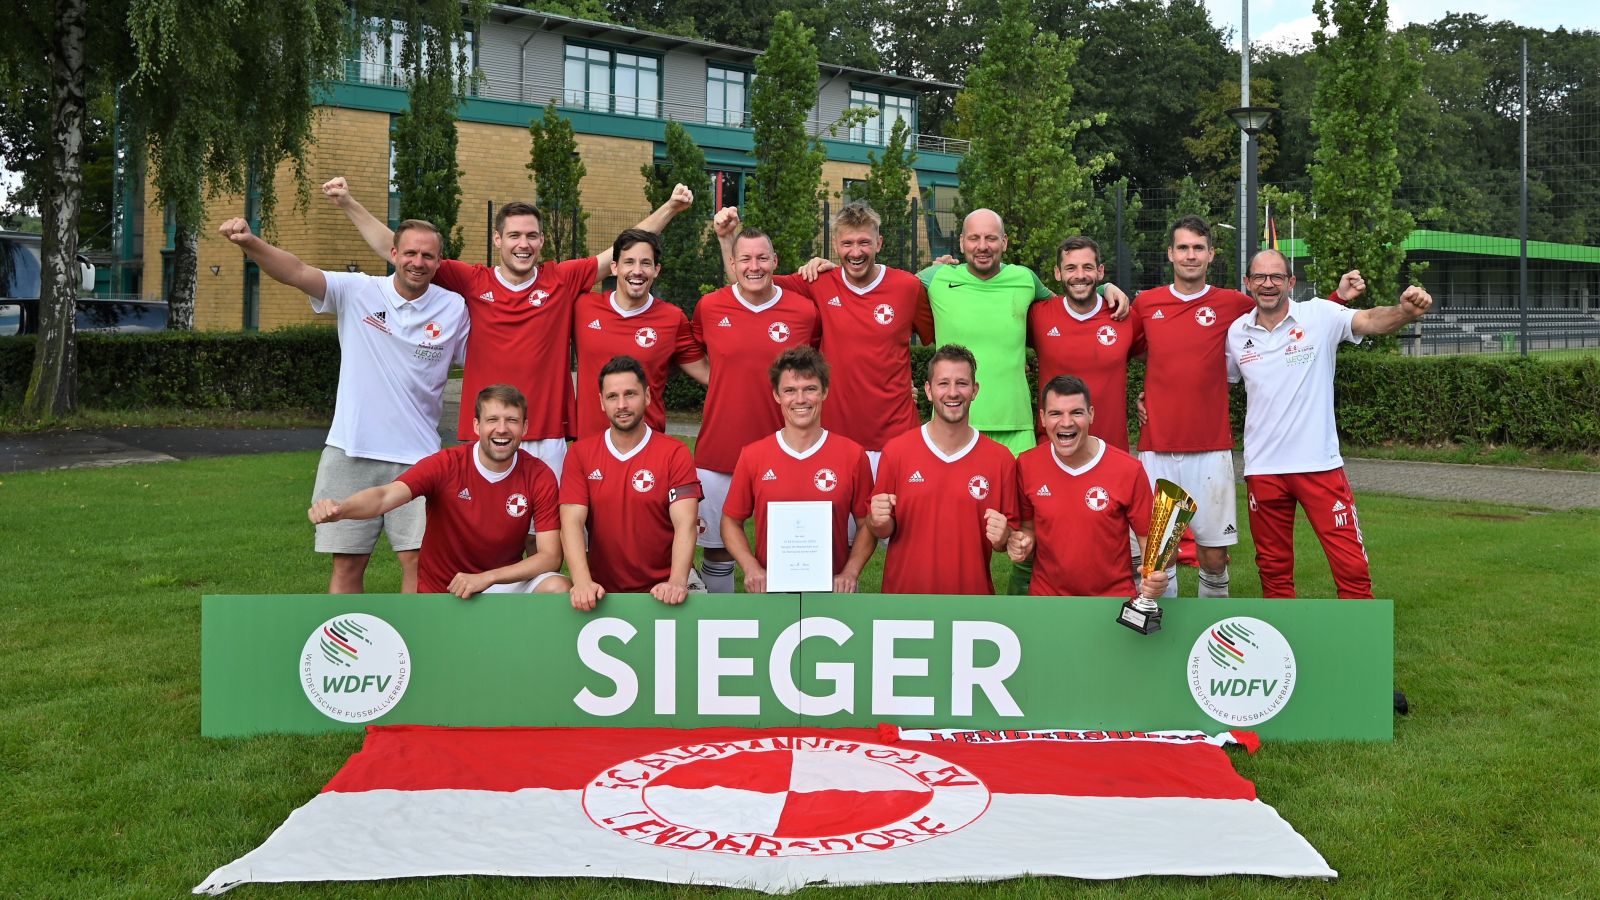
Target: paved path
120	446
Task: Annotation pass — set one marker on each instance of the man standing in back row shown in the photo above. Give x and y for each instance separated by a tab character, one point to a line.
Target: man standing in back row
1285	353
521	313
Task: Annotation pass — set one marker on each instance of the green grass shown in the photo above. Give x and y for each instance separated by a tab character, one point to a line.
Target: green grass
1488	788
1480	455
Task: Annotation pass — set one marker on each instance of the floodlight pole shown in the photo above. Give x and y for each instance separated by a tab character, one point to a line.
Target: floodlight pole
1247	161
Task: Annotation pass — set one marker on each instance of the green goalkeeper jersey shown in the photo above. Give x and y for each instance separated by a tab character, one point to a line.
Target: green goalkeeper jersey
990	317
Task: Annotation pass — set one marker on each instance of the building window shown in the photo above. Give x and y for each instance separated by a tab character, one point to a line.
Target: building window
890	107
379	60
613	81
854	189
727	187
728	96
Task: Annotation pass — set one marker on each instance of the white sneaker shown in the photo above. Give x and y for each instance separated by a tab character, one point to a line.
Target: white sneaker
697	585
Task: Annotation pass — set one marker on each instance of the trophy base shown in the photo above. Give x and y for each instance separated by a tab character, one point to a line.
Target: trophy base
1140	620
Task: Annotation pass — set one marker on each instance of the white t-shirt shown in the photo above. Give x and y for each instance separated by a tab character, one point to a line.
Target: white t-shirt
1288	380
394	360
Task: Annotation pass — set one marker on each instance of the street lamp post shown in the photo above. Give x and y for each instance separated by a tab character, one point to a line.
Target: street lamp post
1250	119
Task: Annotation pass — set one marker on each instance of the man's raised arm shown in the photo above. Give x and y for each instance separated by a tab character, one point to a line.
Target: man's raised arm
377	235
682	198
280	265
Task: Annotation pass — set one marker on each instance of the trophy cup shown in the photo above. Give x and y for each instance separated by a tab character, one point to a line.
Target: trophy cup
1171	512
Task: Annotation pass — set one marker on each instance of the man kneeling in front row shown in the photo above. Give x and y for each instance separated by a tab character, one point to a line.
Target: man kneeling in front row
493	517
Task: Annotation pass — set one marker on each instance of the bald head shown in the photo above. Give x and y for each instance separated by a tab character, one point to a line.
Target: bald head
1261	256
983	242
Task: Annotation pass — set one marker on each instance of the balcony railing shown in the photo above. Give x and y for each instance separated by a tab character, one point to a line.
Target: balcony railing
367	72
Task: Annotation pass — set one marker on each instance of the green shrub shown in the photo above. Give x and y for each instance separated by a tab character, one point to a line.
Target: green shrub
293	368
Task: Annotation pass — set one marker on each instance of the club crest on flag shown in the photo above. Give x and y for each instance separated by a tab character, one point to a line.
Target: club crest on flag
785	796
354	667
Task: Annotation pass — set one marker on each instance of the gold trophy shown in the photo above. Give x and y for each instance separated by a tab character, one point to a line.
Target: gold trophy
1169	515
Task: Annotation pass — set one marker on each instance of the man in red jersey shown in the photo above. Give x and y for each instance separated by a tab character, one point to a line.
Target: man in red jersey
1187	437
1074	334
742	326
1079	497
521	312
802	461
635	492
867	312
492	519
945	496
629	321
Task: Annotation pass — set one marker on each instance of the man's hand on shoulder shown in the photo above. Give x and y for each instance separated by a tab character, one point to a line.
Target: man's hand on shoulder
1119	303
813	270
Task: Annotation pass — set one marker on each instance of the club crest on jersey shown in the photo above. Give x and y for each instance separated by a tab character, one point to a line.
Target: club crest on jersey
1205	315
537	298
517	506
432	330
883	313
825	480
778	331
1297	333
1097	498
1106	335
643	480
978	487
645	337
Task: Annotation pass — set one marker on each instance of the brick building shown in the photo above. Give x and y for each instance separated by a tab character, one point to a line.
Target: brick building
617	85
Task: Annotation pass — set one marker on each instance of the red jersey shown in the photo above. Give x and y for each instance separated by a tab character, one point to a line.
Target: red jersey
866	337
475	524
524	338
1081	519
656	334
1095	348
630	529
1186	375
741	342
834	469
939	545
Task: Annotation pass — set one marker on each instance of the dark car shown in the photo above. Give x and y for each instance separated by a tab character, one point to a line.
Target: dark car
20	272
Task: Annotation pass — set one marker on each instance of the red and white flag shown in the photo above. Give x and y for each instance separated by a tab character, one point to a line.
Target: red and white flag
778	809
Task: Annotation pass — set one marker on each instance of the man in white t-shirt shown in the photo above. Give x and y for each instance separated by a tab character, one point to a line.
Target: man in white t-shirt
398	336
1285	352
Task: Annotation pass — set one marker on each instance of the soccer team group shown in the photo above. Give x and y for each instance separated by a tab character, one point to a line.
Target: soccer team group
809	397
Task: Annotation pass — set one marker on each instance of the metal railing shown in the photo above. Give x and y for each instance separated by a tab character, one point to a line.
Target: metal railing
358	71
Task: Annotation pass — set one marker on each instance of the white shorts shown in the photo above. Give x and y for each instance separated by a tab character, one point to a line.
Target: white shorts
1208	477
520	587
552	450
714	489
872	459
339	476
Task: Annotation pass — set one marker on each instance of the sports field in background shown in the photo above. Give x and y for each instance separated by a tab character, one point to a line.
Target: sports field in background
1488	788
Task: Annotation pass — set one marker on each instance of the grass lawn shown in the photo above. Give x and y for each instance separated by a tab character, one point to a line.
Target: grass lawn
1488	788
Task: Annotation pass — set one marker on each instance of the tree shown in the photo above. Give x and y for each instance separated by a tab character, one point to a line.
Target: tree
1366	79
888	190
433	60
1213	141
691	257
782	196
1023	163
557	171
425	171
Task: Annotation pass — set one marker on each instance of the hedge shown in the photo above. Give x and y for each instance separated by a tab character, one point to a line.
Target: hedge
293	368
1381	398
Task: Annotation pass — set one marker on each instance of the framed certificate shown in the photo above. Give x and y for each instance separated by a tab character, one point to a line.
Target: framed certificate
799	546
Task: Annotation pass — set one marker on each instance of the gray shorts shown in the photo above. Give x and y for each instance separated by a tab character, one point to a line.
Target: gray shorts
339	476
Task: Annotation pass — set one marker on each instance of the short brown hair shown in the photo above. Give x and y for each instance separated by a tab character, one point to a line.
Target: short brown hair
516	208
1065	386
858	214
418	225
503	394
1191	224
753	234
1075	243
953	353
801	360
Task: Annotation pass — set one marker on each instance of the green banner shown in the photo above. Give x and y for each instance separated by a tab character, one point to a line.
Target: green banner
1288	669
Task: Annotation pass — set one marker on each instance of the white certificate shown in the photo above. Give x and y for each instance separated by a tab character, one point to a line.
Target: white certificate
799	546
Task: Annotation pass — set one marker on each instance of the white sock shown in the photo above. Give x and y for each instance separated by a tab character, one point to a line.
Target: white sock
1213	584
718	576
